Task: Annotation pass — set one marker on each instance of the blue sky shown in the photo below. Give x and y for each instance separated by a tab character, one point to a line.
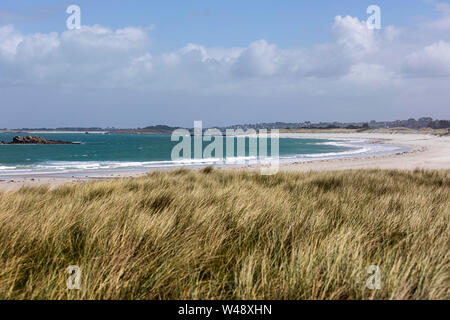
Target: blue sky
289	23
137	63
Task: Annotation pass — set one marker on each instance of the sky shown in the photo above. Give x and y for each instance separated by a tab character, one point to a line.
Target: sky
141	63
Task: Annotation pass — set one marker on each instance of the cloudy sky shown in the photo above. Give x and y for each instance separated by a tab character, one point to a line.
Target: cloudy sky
144	63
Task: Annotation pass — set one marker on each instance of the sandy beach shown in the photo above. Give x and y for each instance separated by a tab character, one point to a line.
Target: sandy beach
426	152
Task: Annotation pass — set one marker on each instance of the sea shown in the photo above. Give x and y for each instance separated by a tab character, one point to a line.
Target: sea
105	153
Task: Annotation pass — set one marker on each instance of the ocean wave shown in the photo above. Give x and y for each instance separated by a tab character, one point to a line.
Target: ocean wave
7	168
332	154
358	147
354	148
87	166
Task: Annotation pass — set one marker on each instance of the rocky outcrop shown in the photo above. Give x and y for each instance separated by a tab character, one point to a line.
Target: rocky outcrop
34	140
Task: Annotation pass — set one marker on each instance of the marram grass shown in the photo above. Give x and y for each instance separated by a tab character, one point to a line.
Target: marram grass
231	235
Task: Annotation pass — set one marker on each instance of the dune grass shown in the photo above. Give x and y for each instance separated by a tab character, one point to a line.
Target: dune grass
213	234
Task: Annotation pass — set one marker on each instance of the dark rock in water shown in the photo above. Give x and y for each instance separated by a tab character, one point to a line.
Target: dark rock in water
34	140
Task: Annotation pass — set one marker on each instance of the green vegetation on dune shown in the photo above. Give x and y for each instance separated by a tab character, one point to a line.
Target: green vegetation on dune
213	234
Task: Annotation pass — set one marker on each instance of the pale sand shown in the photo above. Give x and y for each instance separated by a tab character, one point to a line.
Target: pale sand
36	180
427	152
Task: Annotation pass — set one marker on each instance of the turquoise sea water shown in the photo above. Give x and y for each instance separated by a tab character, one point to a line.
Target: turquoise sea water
131	151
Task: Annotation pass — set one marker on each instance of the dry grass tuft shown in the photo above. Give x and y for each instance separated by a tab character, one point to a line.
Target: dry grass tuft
212	234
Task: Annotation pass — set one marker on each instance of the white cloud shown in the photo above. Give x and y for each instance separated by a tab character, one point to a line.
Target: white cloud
370	75
433	60
38	46
376	62
126	39
9	40
354	35
259	59
99	56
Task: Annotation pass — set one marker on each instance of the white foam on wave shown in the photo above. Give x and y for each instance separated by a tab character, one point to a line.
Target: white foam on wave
88	166
358	147
342	153
7	168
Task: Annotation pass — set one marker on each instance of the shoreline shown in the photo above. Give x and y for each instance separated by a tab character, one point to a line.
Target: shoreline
425	152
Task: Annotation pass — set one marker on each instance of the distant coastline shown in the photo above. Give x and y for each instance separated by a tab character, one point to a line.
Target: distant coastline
431	131
422	125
